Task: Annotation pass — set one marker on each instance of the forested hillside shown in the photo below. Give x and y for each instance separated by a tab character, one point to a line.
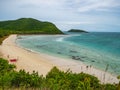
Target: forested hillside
27	26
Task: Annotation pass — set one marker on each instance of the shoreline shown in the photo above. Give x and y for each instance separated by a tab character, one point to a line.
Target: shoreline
43	63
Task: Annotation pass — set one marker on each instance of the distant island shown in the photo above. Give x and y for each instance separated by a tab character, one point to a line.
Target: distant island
29	26
77	30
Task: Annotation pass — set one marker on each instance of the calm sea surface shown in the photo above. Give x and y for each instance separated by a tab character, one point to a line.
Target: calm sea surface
96	49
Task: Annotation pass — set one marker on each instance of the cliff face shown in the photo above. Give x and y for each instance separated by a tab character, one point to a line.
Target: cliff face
29	26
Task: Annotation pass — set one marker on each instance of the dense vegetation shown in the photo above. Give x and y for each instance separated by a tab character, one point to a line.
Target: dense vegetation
29	26
26	26
77	30
54	80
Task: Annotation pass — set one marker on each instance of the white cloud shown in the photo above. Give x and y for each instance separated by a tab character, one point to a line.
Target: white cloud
64	13
74	22
98	5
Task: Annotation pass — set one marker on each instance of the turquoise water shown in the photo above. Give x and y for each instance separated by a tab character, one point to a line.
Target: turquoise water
96	49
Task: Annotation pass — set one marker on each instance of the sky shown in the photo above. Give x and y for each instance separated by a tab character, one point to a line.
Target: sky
89	15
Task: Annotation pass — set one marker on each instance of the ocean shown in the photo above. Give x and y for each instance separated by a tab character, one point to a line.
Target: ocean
98	49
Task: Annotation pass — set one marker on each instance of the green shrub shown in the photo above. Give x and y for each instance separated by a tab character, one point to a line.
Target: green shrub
54	80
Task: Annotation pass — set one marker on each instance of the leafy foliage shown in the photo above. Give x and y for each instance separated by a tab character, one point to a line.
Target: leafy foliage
54	80
10	78
60	80
5	67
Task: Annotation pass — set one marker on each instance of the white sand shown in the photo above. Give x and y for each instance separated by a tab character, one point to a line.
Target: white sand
43	63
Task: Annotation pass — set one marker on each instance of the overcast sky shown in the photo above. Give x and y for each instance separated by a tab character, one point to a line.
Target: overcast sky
90	15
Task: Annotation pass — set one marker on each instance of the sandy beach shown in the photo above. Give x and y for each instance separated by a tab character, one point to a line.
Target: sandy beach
43	63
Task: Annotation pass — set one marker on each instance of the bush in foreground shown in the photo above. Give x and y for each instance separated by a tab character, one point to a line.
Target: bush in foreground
54	80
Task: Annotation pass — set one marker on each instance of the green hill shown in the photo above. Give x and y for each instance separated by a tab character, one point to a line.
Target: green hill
26	26
29	26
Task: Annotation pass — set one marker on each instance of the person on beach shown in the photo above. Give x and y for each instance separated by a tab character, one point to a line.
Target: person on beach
7	56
